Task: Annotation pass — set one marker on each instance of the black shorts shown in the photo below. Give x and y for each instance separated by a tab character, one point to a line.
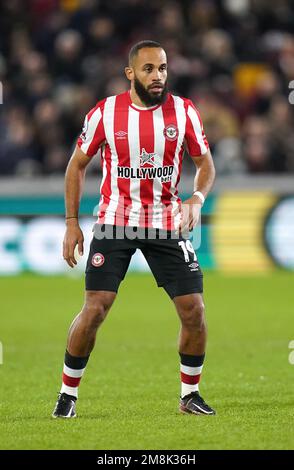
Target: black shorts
172	261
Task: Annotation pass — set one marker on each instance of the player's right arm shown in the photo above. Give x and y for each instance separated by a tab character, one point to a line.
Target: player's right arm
91	138
88	143
74	179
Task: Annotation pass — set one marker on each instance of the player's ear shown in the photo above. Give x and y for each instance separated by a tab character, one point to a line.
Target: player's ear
129	73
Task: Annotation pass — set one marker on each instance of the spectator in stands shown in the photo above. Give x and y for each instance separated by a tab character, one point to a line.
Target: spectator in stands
234	59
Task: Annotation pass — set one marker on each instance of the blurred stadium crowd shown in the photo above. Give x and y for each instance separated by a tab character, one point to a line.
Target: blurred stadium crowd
233	58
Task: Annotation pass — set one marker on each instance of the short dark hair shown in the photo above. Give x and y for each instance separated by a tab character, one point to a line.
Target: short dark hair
140	45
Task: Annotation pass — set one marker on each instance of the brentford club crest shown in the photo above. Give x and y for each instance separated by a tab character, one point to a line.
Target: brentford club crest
171	132
97	260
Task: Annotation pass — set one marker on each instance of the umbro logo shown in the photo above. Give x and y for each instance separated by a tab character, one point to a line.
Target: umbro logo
83	135
121	134
193	266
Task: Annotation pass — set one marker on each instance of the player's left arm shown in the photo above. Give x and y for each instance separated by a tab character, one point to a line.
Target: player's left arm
205	174
198	149
203	182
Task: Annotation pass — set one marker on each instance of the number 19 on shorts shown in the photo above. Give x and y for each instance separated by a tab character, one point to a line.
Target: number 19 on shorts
187	248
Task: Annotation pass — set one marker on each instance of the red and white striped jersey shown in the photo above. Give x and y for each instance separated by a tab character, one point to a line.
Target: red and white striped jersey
142	151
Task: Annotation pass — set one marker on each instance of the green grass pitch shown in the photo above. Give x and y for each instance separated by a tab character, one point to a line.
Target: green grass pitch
129	394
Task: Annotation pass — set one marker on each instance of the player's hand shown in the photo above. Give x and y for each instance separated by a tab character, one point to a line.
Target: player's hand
73	237
190	213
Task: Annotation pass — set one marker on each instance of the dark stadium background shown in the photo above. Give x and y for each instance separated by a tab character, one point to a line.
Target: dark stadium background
233	58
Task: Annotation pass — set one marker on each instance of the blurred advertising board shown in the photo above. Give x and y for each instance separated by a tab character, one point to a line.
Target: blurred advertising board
240	232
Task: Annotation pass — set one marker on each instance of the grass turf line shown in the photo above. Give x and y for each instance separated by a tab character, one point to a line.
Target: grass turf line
129	394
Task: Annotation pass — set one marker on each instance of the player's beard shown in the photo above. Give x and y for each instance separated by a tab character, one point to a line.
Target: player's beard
147	97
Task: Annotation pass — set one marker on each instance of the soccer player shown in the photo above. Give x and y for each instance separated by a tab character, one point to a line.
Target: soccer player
142	135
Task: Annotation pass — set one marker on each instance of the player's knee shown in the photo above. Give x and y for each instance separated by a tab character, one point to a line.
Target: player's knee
95	310
94	315
192	314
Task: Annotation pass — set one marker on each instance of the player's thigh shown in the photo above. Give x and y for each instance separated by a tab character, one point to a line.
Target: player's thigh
107	263
175	266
